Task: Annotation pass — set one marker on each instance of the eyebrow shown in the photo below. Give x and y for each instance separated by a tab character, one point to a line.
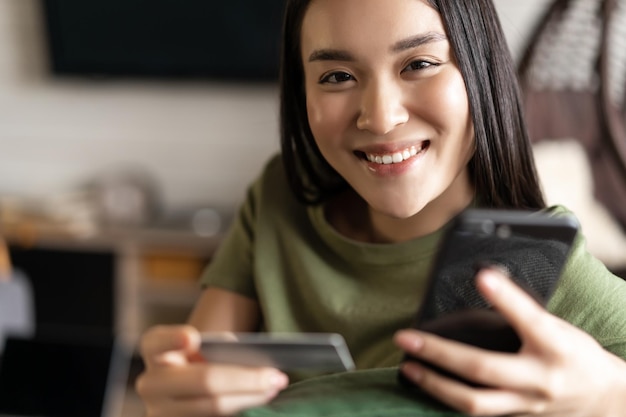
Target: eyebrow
328	54
415	41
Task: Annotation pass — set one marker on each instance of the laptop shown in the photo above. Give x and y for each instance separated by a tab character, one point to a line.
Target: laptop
70	373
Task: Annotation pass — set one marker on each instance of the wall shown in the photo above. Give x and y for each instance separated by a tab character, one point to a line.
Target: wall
518	19
203	142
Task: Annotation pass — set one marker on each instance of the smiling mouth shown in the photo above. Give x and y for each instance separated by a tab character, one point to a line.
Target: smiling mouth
394	157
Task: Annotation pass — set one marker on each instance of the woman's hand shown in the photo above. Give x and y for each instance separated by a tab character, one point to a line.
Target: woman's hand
177	381
559	371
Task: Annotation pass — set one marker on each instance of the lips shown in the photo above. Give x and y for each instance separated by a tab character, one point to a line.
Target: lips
395	157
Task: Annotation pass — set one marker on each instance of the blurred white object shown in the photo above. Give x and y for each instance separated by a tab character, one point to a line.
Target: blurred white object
206	222
566	179
17	310
125	197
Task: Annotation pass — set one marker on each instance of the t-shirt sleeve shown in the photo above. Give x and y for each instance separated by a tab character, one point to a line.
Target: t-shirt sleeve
592	298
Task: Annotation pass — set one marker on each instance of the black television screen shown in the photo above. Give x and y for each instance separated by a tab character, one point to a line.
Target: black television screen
226	40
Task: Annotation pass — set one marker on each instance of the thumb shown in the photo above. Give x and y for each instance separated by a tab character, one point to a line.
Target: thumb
169	345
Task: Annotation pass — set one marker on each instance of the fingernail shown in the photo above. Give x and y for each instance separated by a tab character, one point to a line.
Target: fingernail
279	380
413	371
410	339
418	342
491	280
415	341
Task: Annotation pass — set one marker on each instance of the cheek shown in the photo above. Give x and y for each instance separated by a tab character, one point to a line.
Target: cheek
445	106
316	115
453	98
329	115
458	103
441	99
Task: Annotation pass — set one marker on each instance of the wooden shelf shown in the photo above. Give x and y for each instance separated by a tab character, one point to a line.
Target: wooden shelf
173	293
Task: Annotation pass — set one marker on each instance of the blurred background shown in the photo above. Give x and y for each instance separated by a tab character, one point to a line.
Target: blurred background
137	125
129	130
201	140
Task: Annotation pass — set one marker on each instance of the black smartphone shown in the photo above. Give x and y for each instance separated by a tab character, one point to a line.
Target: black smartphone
324	352
530	247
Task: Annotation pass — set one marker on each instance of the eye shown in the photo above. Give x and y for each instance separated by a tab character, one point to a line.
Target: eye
418	65
336	78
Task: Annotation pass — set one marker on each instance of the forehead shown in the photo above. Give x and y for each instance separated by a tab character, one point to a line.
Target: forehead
375	23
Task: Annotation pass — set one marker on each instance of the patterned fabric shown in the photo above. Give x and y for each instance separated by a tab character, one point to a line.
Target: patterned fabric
573	76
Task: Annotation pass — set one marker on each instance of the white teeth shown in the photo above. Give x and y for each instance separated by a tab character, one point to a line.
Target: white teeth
394	158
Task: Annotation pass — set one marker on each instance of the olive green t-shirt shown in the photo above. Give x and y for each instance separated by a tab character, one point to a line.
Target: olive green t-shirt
308	278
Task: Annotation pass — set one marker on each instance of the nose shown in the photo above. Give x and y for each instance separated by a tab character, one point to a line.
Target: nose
382	108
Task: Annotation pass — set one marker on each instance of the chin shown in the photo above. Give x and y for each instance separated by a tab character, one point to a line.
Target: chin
397	211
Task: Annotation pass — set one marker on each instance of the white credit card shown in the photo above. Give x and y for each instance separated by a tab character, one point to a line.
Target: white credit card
285	351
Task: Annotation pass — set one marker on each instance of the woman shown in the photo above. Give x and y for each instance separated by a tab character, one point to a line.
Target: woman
395	116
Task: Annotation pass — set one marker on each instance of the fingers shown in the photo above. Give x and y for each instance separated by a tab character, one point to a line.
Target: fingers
177	383
489	402
549	373
169	345
202	389
203	407
520	372
514	380
518	308
202	379
473	364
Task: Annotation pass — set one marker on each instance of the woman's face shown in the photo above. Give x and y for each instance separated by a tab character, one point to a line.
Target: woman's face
387	104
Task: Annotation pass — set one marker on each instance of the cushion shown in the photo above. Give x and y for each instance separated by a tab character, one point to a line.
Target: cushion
566	178
366	393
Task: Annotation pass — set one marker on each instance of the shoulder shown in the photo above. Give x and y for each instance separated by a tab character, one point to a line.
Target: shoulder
269	200
274	165
272	187
580	259
274	169
272	176
559	210
590	296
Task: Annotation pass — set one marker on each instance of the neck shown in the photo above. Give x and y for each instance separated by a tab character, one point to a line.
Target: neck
351	216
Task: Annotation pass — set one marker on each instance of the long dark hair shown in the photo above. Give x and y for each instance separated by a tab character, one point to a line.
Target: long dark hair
502	167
